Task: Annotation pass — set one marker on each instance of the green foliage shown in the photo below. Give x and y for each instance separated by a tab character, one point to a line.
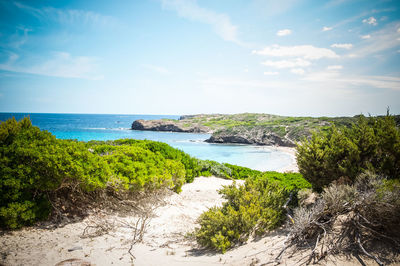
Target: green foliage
239	172
290	181
137	168
371	144
256	206
34	163
34	166
190	164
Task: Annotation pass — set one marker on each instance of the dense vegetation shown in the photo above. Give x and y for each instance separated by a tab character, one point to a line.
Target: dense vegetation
371	144
255	207
357	169
360	153
36	167
222	122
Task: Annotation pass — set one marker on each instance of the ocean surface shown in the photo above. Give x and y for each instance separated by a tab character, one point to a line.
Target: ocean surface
87	127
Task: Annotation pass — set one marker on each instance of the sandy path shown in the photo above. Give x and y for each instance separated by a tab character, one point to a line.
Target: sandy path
163	243
165	233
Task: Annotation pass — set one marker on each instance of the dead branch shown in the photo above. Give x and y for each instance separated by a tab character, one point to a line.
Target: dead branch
368	254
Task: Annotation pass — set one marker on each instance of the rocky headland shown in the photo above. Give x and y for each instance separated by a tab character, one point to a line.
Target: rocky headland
255	135
168	125
247	128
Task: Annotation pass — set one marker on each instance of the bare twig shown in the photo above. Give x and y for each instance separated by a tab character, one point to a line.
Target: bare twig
368	254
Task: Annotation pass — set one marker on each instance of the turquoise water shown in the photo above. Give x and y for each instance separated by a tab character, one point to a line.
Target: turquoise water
87	127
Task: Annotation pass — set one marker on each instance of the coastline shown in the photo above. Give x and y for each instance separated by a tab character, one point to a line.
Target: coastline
292	167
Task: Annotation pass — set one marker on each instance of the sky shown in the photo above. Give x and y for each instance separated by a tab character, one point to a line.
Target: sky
286	57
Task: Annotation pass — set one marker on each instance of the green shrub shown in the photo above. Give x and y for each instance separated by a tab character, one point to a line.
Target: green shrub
35	166
191	165
34	163
256	206
290	181
371	144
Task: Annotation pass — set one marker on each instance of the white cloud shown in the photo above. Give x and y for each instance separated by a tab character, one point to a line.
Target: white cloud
298	62
271	73
370	21
334	77
284	32
61	64
305	51
68	16
365	36
158	69
19	38
327	28
334	67
398	30
298	71
190	10
383	39
342	45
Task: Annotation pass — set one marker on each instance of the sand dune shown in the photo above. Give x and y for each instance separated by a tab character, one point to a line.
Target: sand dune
164	242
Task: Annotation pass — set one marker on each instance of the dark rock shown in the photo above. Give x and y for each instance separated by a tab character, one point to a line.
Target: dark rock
259	136
75	248
167	125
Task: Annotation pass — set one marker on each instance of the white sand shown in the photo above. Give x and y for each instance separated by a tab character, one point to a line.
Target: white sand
163	244
292	167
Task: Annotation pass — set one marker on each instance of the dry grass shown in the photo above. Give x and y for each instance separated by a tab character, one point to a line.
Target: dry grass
359	220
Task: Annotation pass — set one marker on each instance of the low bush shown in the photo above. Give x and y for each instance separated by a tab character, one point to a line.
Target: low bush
357	219
255	207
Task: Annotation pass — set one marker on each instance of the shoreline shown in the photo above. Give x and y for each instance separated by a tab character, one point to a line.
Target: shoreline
292	167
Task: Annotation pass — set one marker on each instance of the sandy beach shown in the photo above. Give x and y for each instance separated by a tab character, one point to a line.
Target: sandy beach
106	239
292	167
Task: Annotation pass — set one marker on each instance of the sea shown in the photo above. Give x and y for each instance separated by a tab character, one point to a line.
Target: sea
85	127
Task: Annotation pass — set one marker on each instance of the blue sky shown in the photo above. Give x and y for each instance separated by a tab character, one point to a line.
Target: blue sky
288	57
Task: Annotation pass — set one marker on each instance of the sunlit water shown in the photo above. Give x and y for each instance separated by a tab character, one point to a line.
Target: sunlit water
87	127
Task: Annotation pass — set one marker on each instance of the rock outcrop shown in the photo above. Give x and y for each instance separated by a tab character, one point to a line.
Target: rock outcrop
258	136
168	125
